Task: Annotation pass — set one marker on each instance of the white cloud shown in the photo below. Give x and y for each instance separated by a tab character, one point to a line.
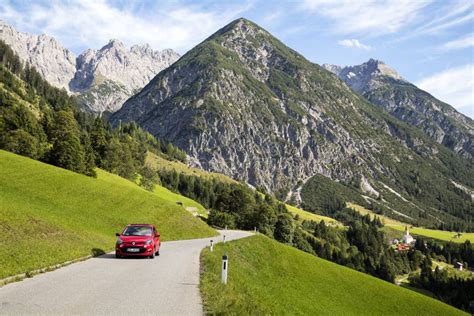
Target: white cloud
460	43
442	18
451	15
91	23
454	86
354	43
368	17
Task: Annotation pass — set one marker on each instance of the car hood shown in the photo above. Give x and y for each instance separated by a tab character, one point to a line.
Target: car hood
135	238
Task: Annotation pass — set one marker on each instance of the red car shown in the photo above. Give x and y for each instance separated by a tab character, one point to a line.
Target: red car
138	240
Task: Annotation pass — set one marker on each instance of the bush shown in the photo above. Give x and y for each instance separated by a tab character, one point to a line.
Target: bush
221	219
21	142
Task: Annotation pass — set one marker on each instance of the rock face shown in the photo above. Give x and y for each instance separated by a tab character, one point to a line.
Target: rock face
103	79
244	104
55	63
383	86
116	73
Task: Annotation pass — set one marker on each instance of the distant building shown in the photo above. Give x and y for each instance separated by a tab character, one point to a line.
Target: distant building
407	238
402	247
458	266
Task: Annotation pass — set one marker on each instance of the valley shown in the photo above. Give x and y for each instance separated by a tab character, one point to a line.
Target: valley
332	168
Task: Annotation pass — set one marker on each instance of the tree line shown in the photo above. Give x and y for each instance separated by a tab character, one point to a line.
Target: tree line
453	290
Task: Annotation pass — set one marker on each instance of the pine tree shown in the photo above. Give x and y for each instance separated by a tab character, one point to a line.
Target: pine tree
67	151
89	157
98	137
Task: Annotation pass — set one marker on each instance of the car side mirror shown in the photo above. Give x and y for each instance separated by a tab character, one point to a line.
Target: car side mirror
157	235
117	234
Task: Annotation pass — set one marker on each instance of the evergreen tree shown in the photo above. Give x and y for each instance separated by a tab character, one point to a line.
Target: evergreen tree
98	138
67	151
89	156
284	228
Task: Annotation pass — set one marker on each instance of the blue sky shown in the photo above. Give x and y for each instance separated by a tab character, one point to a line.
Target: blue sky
430	43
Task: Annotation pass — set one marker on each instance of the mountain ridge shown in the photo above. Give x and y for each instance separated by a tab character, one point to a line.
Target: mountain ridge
102	79
384	87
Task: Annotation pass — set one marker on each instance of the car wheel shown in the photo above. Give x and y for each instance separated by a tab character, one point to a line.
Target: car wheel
152	256
157	252
117	256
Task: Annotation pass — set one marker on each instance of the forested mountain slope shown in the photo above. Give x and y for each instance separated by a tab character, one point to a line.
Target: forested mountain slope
244	104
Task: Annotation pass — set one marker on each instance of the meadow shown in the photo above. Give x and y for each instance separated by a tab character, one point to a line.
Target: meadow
396	228
308	216
270	278
50	215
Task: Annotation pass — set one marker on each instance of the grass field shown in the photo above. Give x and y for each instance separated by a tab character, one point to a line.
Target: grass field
156	162
269	278
49	215
436	234
187	203
394	225
305	215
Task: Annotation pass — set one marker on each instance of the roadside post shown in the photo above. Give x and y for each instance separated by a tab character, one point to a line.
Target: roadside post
223	239
225	267
212	245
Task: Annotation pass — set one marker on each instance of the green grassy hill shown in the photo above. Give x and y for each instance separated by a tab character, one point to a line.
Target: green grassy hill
156	163
49	215
266	277
396	228
308	216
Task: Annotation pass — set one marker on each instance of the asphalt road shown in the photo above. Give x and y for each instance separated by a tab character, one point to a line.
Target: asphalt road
166	285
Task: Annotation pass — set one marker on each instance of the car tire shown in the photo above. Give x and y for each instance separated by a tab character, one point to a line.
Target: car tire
157	252
118	256
152	256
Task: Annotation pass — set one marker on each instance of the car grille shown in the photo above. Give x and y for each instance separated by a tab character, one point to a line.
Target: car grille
137	244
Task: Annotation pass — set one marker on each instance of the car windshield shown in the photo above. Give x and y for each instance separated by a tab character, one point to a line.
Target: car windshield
137	231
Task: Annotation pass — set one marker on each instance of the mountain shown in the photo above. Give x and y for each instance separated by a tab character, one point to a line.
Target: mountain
243	104
103	79
55	63
118	71
383	86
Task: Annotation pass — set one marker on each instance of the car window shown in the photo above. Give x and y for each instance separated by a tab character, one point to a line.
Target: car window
138	231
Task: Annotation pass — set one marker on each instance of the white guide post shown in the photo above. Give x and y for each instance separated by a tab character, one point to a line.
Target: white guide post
225	267
212	245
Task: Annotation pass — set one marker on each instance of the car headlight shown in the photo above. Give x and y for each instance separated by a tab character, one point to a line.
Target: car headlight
148	242
119	241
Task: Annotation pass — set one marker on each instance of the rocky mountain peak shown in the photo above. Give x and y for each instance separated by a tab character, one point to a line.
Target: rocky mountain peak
244	104
103	79
378	67
366	76
383	86
113	44
55	63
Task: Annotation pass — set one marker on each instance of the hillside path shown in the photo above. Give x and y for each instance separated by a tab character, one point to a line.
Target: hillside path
167	285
